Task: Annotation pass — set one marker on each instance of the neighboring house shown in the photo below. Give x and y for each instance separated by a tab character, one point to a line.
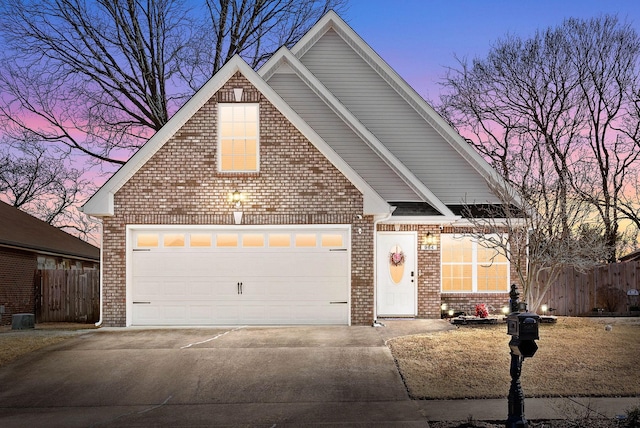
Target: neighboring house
633	256
28	244
321	189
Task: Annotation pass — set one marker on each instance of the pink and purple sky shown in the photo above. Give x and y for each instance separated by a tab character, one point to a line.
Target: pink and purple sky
419	38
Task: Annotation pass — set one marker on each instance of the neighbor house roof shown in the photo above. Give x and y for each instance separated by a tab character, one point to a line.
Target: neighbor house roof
22	231
631	257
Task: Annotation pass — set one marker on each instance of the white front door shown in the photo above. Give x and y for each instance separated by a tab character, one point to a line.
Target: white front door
396	274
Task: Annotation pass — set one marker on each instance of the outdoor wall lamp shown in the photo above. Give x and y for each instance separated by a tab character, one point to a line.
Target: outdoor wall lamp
429	242
544	309
236	198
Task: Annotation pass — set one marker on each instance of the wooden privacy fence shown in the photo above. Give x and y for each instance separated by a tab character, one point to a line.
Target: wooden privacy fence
576	293
65	295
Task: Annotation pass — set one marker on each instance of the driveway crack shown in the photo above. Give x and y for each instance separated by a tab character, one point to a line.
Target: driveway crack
212	338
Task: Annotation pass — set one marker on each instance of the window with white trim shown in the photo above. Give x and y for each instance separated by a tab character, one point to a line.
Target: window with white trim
471	266
238	142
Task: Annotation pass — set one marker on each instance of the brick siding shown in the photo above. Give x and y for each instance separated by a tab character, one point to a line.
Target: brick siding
17	270
181	185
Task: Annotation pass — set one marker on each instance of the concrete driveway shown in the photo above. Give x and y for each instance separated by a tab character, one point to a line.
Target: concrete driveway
246	376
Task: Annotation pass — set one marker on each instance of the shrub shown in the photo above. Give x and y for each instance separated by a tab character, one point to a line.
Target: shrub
610	298
633	418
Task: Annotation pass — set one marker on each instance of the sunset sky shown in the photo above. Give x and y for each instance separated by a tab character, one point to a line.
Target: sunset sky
419	38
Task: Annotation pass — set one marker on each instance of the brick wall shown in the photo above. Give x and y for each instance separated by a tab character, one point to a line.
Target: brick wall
17	269
180	184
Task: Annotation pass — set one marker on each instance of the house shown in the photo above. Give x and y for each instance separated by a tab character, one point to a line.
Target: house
321	189
633	256
28	244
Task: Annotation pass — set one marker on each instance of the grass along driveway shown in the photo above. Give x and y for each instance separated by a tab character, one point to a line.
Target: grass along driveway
16	343
576	357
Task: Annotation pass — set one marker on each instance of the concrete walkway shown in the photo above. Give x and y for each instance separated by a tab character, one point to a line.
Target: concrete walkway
573	408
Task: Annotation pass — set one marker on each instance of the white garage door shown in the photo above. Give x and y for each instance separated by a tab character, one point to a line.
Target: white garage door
223	277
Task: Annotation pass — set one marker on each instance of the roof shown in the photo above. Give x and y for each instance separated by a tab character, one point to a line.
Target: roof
22	231
631	257
340	71
101	203
361	115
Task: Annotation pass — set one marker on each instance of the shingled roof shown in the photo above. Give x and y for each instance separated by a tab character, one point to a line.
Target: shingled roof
22	231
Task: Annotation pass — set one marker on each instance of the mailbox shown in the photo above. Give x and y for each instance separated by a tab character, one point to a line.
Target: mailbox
523	325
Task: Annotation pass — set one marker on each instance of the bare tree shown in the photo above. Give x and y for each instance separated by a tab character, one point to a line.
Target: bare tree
255	30
96	78
42	183
100	76
534	236
557	114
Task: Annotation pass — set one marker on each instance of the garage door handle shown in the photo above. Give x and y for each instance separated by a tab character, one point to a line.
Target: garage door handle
141	303
239	288
338	303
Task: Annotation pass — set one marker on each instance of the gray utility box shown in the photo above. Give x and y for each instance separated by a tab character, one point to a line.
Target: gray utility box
23	321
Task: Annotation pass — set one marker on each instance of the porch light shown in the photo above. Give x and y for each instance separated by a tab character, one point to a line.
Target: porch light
451	312
429	242
443	307
544	309
236	198
505	310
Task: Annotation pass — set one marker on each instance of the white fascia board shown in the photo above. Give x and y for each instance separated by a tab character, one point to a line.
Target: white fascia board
374	203
333	20
284	58
511	222
431	220
99	206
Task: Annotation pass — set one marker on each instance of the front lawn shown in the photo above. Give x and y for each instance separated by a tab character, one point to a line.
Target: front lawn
576	357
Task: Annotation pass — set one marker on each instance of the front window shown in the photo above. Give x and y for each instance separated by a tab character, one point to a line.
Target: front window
470	266
238	138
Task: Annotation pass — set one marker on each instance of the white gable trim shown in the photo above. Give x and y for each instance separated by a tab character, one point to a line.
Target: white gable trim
101	203
332	20
286	61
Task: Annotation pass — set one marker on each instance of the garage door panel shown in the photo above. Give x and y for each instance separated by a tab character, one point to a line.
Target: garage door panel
226	286
200	288
291	264
295	289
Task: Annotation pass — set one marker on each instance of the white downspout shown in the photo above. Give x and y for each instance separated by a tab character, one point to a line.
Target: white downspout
375	263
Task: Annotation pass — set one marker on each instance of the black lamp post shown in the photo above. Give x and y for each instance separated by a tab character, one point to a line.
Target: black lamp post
523	328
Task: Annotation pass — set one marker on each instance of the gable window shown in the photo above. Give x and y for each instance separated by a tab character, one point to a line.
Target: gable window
238	145
471	267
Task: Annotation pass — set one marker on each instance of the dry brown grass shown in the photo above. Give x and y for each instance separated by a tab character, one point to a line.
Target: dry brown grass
15	343
576	357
